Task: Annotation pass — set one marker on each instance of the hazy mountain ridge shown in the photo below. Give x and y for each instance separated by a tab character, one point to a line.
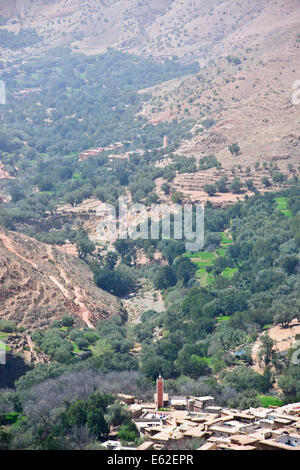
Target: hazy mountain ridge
250	101
243	93
157	27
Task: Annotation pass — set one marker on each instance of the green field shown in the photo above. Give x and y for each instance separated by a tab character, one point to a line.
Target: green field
72	154
203	259
204	255
282	206
266	401
229	272
10	418
223	318
204	277
225	239
266	327
281	203
76	349
222	251
3	337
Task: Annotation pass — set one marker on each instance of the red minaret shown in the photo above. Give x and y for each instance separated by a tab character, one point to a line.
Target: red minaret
160	392
166	143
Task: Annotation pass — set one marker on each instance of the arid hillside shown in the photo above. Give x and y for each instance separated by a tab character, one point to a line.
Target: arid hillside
247	92
161	28
249	53
39	283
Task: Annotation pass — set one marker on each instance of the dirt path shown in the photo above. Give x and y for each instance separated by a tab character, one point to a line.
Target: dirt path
61	287
8	245
77	297
85	313
255	355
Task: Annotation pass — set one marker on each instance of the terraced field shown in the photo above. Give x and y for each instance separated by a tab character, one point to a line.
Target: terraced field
229	272
282	206
206	259
223	318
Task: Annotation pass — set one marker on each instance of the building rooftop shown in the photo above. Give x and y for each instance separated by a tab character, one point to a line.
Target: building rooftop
221	428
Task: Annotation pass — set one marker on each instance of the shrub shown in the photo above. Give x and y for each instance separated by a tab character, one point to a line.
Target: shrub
7	326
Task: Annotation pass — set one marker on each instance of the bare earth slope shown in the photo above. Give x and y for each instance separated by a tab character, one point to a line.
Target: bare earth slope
152	27
249	96
39	284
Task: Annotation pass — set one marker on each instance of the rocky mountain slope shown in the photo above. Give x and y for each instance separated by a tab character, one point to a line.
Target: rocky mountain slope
184	28
246	92
39	283
249	52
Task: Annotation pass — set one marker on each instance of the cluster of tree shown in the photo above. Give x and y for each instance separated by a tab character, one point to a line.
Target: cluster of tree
7	326
82	416
234	149
24	38
101	95
119	281
181	270
54	343
222	186
61	414
209	161
112	351
262	292
233	60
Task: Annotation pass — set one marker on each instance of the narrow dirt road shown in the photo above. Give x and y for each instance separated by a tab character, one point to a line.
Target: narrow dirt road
85	312
73	292
255	355
60	286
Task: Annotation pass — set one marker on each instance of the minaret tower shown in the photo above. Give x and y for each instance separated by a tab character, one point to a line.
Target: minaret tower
160	392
